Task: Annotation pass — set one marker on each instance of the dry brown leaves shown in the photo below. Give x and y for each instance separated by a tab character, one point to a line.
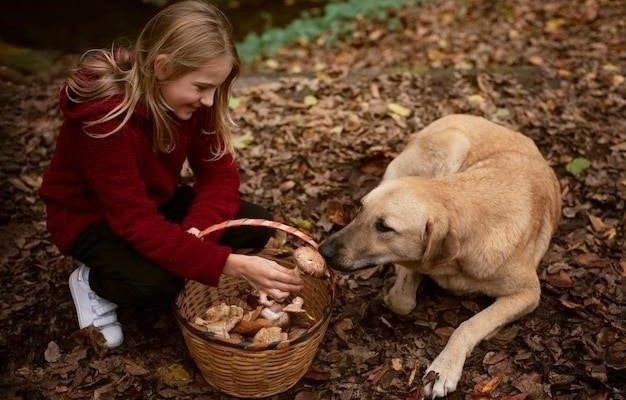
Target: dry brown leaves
315	144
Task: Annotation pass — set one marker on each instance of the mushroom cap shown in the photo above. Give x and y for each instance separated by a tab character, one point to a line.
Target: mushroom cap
220	319
296	307
247	327
278	318
310	261
270	335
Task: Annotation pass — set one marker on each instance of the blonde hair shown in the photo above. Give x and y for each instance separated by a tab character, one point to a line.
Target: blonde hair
190	33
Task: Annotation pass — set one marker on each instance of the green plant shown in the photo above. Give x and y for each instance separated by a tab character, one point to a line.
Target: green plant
336	21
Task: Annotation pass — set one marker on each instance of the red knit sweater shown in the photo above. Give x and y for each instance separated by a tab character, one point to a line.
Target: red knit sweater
122	180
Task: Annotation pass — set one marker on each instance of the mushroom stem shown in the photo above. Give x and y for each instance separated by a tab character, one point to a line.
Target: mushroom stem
264	300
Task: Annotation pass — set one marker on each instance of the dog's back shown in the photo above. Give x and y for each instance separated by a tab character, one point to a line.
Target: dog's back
455	142
459	142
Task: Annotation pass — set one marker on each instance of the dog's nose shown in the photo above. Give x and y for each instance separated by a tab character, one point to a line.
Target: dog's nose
328	249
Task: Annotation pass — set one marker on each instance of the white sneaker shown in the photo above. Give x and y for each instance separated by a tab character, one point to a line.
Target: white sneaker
93	309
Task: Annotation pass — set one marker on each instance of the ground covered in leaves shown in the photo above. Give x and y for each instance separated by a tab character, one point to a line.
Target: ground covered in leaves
315	135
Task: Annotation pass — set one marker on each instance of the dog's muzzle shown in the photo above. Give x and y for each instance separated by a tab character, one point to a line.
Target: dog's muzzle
328	250
331	250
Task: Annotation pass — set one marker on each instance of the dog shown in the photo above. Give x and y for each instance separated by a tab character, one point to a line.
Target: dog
473	205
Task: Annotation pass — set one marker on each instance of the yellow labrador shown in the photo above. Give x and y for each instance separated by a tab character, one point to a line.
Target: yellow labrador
469	203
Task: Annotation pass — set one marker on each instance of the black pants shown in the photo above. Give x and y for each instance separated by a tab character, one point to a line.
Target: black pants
120	274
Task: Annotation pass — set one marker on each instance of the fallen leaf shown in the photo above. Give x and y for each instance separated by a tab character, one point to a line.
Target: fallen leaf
477	100
591	260
233	102
577	166
492	357
52	353
317	374
554	25
377	374
444	332
242	141
105	392
560	280
306	395
286	186
342	326
271	63
303	224
374	91
597	224
413	373
17	182
570	304
484	388
398	109
310	100
374	166
396	364
134	369
173	374
619	147
91	336
345	324
519	396
32	181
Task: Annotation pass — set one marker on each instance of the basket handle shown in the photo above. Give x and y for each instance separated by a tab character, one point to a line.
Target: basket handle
260	222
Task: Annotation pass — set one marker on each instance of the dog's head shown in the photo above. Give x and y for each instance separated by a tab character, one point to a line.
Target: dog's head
401	221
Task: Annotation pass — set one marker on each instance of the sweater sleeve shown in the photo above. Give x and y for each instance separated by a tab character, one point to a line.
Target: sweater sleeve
111	167
216	189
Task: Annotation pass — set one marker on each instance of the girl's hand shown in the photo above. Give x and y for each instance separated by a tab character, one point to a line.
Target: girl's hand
265	275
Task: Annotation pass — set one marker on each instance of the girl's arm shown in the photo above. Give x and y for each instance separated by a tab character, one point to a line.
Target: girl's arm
111	167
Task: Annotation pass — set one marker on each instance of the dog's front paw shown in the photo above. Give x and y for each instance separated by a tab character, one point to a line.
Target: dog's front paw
442	376
400	304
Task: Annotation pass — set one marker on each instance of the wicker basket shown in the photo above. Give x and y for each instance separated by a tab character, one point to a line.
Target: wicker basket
246	369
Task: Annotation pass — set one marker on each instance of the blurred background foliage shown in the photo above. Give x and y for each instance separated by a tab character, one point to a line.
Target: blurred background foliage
33	32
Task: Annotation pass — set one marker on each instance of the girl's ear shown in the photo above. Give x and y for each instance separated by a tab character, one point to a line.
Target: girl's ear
162	67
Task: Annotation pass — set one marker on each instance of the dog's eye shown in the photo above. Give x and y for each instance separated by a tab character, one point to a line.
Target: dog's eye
382	227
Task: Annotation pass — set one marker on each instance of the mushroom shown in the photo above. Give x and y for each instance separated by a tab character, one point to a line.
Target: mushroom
251	323
278	317
309	261
270	335
245	327
220	319
264	300
296	308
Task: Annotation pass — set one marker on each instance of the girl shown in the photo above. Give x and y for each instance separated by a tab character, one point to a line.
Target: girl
112	196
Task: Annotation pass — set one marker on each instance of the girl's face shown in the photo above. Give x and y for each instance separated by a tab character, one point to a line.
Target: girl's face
195	89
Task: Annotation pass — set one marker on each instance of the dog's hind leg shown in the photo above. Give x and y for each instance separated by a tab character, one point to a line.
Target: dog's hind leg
401	297
448	365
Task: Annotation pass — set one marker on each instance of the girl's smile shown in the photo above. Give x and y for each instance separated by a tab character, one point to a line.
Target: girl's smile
195	89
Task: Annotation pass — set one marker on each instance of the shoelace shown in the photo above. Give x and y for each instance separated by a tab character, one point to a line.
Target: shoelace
104	309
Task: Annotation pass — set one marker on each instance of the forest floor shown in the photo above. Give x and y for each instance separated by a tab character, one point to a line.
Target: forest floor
317	126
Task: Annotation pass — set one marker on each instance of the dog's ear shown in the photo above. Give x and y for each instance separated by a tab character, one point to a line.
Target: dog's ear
442	243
